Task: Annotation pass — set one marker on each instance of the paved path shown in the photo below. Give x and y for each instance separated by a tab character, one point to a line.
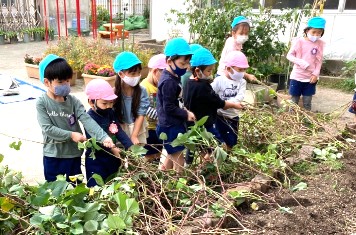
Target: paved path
19	119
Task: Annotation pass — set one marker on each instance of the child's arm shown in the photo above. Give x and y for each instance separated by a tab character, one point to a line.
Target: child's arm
169	98
141	112
90	125
240	93
53	131
116	151
229	105
291	56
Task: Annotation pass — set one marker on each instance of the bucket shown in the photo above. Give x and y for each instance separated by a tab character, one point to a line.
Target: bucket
83	23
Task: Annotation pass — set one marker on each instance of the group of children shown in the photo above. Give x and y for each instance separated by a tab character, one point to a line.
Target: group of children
137	113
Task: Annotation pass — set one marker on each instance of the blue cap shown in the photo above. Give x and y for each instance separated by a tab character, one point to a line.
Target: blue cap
317	23
45	62
202	56
177	46
125	60
195	47
239	19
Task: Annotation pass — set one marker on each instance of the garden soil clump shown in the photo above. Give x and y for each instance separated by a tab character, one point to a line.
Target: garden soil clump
327	206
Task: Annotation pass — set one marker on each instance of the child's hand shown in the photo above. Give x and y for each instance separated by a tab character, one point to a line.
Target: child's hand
313	79
251	77
77	137
191	116
134	140
116	152
239	106
108	143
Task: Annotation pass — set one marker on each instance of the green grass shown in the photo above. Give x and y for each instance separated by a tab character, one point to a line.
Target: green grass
346	85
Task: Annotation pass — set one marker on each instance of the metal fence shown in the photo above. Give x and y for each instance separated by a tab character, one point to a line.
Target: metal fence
19	14
134	7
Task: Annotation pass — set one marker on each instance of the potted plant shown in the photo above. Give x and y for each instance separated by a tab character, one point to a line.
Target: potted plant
12	36
26	35
94	71
51	34
31	64
38	33
2	37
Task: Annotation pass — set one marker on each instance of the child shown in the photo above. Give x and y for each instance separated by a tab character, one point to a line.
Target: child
239	35
231	87
307	55
101	97
199	96
58	114
171	118
187	75
132	100
352	109
156	65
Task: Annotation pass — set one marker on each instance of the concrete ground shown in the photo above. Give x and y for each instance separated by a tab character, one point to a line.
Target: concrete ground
18	120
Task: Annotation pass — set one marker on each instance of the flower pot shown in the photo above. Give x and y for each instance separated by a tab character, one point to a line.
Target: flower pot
26	37
74	78
13	40
281	79
87	78
38	37
32	71
2	39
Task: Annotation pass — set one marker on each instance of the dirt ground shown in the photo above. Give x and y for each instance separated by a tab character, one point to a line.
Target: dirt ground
327	206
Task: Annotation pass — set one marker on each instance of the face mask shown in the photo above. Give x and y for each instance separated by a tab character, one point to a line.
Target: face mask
313	38
62	90
236	75
102	112
202	76
178	71
241	39
132	81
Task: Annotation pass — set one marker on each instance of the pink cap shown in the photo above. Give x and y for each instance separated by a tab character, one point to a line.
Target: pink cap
98	89
236	58
157	62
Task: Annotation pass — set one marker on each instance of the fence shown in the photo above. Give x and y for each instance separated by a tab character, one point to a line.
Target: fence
134	7
18	14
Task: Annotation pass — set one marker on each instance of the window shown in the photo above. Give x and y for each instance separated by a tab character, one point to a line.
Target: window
278	4
350	5
6	2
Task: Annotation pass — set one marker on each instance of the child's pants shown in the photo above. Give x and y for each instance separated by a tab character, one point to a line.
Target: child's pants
306	101
61	166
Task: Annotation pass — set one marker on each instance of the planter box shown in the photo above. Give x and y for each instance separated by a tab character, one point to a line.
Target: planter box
258	94
33	72
74	32
87	78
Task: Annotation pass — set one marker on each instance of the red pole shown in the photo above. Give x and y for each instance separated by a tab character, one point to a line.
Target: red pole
111	21
45	17
93	17
78	17
58	20
65	18
96	29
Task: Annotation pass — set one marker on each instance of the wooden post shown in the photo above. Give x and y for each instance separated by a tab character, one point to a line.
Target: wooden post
134	7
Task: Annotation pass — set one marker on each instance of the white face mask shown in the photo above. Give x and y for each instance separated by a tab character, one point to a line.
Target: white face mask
241	39
202	76
313	38
132	81
236	76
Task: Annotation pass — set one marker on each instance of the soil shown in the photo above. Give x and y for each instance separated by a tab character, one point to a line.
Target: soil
327	206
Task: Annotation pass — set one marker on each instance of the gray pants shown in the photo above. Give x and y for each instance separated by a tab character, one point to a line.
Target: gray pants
306	101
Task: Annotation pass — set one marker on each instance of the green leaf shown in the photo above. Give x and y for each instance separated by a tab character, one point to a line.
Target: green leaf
91	226
76	229
99	180
220	155
102	232
81	145
36	219
1	157
132	206
163	136
60	225
47	210
116	222
16	145
202	121
181	183
138	150
299	187
285	210
58	187
95	145
40	199
6	204
196	187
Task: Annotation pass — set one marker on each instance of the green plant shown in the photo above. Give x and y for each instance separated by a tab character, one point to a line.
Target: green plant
30	60
349	70
38	30
102	14
2	33
264	49
11	34
146	12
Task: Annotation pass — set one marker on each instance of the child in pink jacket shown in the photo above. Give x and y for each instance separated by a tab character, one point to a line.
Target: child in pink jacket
307	55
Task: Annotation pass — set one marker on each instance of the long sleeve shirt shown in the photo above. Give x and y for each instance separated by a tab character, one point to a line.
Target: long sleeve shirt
104	122
200	98
230	90
168	95
58	120
230	45
307	57
127	105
